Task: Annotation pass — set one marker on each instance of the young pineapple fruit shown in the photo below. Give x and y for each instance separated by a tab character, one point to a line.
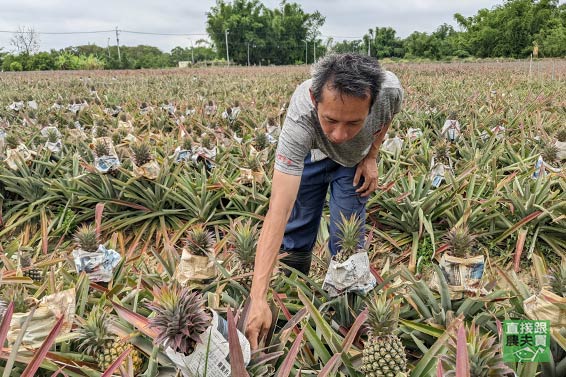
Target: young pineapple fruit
244	237
86	238
460	242
180	318
25	263
141	153
261	141
561	135
384	353
442	152
199	241
52	136
558	280
12	141
483	355
550	153
350	232
96	340
101	148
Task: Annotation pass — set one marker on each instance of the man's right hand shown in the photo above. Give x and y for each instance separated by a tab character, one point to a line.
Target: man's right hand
259	322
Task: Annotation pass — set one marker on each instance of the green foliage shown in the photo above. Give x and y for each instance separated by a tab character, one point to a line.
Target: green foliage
16	66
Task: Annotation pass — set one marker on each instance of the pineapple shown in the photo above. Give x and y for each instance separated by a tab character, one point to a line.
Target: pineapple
558	280
350	231
101	148
384	353
96	340
550	153
86	238
12	141
460	242
101	131
141	153
253	163
180	318
442	152
261	141
199	241
187	144
561	135
52	136
32	273
206	142
483	355
244	237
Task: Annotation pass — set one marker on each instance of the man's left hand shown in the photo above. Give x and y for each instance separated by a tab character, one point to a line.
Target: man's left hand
367	168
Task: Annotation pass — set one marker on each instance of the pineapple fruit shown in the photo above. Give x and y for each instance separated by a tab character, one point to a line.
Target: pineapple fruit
350	231
442	152
383	353
483	355
549	153
96	340
244	237
32	273
199	241
86	238
180	318
141	153
459	241
52	136
558	280
101	148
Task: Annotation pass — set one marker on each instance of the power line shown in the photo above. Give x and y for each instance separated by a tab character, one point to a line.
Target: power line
59	32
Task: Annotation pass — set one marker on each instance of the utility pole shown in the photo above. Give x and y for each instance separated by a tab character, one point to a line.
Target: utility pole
227	54
248	54
108	47
192	53
369	46
306	52
118	45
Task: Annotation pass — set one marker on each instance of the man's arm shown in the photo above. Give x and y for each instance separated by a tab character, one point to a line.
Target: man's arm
283	194
367	168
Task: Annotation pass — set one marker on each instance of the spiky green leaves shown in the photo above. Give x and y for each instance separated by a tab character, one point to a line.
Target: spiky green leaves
459	241
549	153
141	153
180	318
350	231
93	332
557	279
383	314
199	240
86	238
244	238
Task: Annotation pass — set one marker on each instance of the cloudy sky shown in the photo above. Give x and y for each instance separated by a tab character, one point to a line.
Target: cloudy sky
349	18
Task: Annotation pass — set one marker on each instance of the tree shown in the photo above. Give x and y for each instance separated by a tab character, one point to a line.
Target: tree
25	40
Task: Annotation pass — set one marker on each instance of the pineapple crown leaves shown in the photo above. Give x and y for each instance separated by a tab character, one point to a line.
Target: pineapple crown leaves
93	331
244	238
350	232
141	152
383	314
459	240
199	240
86	238
561	134
180	317
483	353
549	153
557	280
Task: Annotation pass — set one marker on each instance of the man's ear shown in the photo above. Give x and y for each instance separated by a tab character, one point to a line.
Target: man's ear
312	97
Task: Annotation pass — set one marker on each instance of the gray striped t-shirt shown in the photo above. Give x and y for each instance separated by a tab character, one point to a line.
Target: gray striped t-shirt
302	133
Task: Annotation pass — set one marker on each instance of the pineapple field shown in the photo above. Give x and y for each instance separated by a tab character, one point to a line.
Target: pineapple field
131	205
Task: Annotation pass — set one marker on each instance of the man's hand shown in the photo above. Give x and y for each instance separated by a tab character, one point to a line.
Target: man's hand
367	168
259	322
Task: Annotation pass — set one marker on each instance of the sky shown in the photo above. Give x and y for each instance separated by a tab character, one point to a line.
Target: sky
351	18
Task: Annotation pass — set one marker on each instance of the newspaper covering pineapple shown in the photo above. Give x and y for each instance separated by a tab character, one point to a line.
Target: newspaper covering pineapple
90	256
144	164
20	154
105	156
349	270
197	263
53	136
44	318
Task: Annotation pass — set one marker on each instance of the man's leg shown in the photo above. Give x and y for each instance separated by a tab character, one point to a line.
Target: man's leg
346	201
302	227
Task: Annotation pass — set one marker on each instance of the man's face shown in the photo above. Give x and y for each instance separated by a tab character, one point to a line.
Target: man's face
341	116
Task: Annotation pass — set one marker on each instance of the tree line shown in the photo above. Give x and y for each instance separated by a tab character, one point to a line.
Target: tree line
248	32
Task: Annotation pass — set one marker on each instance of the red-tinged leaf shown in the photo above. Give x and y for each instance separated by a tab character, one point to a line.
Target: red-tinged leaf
519	248
351	336
284	309
330	366
40	354
499	328
236	356
98	209
376	274
289	361
519	224
5	325
439	370
139	321
57	372
116	364
462	361
131	205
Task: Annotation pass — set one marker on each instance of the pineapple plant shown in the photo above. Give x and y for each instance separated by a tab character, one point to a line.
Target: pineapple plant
187	144
350	231
206	142
141	153
96	340
261	141
101	131
383	353
101	148
459	241
561	135
484	355
244	238
52	135
549	153
557	279
28	271
180	318
199	241
442	152
12	141
86	238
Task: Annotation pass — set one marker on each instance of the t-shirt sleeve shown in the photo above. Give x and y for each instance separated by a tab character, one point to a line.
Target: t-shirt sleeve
295	141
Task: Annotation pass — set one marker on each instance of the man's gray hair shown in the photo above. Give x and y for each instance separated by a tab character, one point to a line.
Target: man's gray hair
350	74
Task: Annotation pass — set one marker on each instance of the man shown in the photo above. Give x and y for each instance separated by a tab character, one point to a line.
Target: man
331	136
